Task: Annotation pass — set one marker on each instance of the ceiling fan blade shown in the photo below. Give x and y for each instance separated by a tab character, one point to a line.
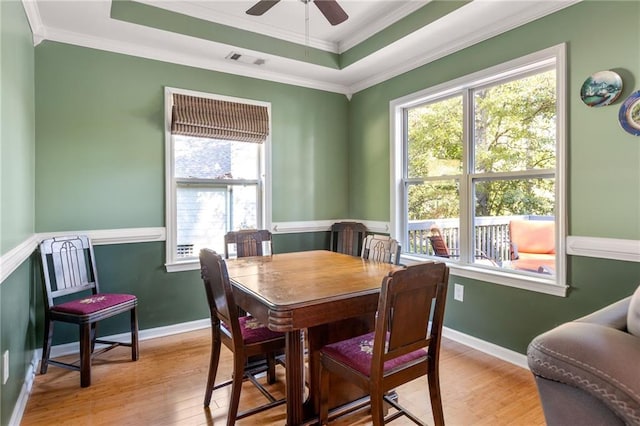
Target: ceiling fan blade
332	11
261	7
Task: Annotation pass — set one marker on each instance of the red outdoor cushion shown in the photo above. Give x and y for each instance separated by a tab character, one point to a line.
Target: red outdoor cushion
94	303
357	354
533	236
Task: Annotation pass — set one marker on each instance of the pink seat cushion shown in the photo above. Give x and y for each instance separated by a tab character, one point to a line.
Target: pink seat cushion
253	331
357	354
94	303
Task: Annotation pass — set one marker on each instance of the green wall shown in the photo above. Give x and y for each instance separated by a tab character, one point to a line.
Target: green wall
17	147
100	162
18	128
603	166
100	147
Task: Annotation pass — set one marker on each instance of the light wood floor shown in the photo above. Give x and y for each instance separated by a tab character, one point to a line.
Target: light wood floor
166	387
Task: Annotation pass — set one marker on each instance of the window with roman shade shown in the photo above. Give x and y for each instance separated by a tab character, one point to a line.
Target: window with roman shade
216	168
219	119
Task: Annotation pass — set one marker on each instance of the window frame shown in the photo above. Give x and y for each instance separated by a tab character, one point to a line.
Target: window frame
464	85
172	263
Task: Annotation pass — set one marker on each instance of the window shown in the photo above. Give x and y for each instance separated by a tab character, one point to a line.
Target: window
216	149
478	174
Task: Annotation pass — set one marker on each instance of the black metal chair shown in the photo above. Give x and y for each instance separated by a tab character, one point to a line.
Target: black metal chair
68	268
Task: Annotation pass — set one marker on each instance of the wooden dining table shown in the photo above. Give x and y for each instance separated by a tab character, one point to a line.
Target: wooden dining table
332	295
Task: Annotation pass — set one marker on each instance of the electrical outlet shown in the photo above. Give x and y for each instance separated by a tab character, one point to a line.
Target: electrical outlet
458	292
5	367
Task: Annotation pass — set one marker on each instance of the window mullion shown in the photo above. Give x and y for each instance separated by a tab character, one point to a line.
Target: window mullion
466	204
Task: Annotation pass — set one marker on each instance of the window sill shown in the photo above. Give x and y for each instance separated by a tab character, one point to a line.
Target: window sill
497	276
186	265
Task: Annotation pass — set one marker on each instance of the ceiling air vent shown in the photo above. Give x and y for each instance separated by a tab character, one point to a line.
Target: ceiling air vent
245	59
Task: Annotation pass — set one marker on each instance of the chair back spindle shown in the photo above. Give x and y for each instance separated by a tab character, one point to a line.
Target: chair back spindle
381	248
72	266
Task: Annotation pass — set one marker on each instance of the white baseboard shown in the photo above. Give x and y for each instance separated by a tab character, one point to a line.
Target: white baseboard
73	348
23	398
150	333
504	354
494	350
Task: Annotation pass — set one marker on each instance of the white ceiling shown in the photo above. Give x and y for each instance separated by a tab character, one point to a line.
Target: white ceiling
287	19
88	23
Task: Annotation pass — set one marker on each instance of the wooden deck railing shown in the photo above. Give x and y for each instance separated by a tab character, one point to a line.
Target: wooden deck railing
491	235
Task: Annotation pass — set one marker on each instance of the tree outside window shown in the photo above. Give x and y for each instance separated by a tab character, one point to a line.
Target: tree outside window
477	159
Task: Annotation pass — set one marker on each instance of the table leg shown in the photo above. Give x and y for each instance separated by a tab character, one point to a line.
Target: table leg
294	377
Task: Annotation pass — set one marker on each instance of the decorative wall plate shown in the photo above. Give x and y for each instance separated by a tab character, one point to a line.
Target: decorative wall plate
601	88
629	114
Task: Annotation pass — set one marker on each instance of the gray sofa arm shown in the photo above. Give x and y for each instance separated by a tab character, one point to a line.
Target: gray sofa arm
614	315
596	355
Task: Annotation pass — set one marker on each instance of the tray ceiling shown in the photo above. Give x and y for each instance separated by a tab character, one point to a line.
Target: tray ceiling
381	38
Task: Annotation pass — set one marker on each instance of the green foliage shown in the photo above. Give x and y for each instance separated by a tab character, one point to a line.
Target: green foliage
514	131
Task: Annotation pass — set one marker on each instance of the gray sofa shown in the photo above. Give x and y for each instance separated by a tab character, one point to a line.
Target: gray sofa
588	370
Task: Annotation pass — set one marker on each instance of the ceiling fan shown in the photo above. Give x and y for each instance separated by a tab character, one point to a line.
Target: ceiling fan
331	10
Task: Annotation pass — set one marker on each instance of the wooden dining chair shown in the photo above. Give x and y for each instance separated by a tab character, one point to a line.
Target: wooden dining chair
244	336
347	237
404	346
248	242
381	248
69	269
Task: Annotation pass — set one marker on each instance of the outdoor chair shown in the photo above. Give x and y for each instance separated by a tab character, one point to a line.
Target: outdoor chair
440	248
532	245
69	269
404	346
242	335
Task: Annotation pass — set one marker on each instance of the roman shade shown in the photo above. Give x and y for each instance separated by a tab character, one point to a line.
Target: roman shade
218	119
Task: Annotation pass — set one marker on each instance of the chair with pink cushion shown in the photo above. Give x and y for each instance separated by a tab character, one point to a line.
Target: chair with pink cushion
404	346
69	269
242	335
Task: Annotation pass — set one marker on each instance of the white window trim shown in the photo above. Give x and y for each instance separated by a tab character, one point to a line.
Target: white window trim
554	286
171	263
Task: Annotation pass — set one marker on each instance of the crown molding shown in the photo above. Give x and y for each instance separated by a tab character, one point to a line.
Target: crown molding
471	37
225	66
380	24
35	21
369	71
